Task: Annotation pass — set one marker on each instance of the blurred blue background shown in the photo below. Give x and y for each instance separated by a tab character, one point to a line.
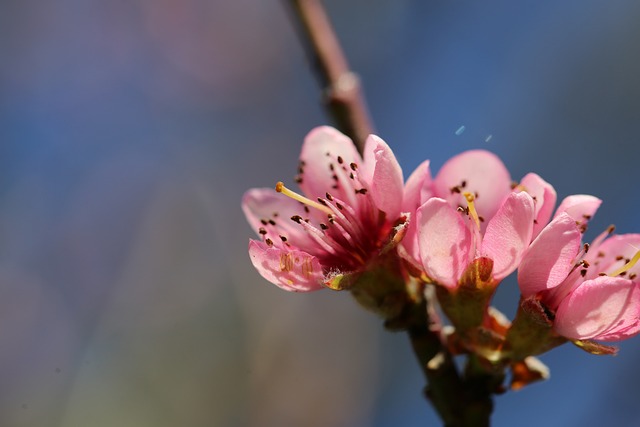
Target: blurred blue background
130	129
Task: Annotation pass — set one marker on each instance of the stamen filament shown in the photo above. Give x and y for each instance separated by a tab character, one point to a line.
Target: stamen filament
280	188
627	266
472	207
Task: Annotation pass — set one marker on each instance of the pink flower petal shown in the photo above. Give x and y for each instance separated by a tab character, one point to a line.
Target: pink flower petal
544	196
482	174
580	207
444	241
271	211
417	190
509	233
327	155
385	181
605	309
291	270
550	257
613	253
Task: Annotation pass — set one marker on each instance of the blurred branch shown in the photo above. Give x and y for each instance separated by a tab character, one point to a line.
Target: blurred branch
342	94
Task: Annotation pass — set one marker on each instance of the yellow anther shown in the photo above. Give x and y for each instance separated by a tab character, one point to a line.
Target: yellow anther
472	207
627	266
280	188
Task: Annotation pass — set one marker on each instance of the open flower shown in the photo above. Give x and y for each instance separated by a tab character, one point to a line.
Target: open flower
592	291
343	221
469	211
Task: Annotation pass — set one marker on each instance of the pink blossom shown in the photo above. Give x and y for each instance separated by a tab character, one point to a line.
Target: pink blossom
468	211
339	226
593	289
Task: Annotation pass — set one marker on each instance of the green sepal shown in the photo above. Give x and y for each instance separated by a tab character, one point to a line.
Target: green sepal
531	332
341	281
467	304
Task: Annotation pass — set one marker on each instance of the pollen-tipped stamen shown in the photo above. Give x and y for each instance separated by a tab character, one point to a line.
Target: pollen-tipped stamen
472	207
280	188
629	265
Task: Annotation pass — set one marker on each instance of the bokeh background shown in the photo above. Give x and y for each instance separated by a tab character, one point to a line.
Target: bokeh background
130	129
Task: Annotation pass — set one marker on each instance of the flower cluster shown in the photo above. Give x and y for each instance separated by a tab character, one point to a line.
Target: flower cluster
462	231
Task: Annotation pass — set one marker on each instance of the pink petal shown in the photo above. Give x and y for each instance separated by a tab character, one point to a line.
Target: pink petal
409	244
580	207
385	181
605	309
544	196
261	205
550	257
613	253
509	233
483	174
322	150
417	190
291	270
444	241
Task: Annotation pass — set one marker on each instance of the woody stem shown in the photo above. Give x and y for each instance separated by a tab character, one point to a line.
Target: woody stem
342	91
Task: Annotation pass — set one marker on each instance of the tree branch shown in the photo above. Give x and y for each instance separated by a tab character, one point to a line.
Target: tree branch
342	94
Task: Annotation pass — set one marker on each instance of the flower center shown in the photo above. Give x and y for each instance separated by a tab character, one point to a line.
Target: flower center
348	235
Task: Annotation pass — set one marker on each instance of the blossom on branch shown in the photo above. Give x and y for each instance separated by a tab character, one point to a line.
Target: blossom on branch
348	214
592	291
468	212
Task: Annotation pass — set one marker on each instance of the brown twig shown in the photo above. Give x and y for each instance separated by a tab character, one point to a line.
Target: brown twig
342	93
